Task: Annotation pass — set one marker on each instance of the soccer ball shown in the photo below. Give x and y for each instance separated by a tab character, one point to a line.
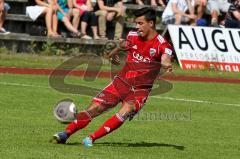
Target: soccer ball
65	111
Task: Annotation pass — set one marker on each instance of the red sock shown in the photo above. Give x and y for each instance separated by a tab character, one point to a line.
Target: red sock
83	119
111	124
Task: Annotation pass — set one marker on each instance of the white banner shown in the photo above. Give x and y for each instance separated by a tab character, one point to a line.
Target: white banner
206	47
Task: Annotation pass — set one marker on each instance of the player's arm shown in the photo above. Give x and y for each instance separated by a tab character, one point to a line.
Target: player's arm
166	57
166	62
113	57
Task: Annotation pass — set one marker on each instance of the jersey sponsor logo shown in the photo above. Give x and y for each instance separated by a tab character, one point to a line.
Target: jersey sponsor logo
168	51
139	58
152	51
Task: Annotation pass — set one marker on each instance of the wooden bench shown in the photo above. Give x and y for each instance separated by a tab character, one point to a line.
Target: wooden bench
19	42
135	7
28	38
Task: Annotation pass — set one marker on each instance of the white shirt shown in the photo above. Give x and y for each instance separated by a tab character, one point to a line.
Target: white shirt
181	4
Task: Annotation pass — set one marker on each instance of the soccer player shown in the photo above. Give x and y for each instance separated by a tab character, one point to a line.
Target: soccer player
147	52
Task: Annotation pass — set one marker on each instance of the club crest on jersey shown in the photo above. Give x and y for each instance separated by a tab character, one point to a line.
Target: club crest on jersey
168	51
152	51
135	47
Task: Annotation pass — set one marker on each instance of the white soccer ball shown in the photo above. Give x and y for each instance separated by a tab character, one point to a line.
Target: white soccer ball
65	111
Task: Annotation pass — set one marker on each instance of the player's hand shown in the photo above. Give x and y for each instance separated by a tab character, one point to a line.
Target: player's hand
115	60
167	68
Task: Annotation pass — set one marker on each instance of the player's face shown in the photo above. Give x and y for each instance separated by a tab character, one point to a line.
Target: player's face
143	26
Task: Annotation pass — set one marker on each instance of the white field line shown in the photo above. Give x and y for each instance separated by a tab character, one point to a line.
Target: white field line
22	85
165	98
196	101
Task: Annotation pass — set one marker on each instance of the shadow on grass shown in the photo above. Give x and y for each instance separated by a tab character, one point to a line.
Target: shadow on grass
138	144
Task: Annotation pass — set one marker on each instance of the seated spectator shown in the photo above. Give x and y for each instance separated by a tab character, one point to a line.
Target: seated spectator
87	17
153	3
4	7
109	10
233	15
49	10
200	7
214	7
65	13
179	12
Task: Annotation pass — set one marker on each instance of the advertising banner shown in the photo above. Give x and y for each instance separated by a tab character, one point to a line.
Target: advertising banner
206	47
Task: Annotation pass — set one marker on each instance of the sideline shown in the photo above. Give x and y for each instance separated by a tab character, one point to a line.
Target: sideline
159	97
195	101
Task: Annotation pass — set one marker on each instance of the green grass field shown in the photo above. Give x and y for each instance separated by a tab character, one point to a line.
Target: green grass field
193	120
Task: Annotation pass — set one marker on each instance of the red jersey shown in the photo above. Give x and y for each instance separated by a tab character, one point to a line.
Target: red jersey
143	61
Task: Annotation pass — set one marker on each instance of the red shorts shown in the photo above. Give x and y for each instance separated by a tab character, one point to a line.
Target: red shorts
119	91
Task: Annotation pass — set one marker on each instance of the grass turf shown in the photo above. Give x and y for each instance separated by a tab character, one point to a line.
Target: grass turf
164	129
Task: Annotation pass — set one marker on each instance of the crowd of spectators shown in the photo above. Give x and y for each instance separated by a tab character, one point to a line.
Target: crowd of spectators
77	15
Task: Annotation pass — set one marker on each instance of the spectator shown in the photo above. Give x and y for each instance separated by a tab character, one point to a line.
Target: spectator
200	6
179	12
49	10
109	10
153	3
214	7
65	12
4	7
233	15
87	16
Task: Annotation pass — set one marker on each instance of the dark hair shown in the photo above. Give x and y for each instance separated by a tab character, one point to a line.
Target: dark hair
148	13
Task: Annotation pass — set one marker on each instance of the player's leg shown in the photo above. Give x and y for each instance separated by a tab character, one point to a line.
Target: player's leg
106	99
111	124
132	104
83	119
